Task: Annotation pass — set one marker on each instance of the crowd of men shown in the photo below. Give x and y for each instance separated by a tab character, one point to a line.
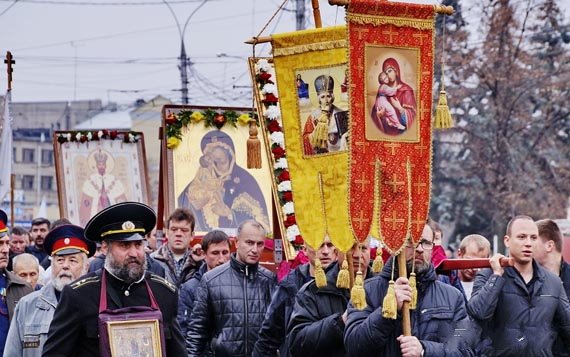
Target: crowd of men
74	291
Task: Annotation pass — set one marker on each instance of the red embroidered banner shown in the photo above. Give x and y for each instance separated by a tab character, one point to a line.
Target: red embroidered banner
391	48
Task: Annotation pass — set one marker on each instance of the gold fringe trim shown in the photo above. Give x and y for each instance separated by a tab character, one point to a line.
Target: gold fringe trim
357	294
310	47
320	276
253	147
414	302
396	21
343	279
443	118
389	305
378	263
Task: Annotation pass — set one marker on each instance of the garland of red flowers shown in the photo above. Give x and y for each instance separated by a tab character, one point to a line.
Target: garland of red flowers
272	116
86	136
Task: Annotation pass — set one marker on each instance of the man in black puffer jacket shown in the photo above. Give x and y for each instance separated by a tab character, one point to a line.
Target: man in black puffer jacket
317	323
274	327
435	322
521	308
216	247
231	301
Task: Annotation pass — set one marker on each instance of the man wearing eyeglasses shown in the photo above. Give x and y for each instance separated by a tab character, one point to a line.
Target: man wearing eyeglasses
440	309
175	256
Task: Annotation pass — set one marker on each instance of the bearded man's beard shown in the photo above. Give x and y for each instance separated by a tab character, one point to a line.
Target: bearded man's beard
130	271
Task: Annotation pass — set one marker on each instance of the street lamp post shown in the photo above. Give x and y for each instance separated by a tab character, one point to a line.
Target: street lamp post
183	66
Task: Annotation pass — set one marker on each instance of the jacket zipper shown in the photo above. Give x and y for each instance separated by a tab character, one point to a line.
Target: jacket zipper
245	309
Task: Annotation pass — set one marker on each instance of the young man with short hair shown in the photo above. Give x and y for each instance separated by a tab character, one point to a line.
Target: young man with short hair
175	256
216	252
38	232
231	300
521	308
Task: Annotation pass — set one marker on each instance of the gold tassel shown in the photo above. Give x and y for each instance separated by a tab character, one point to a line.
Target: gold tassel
414	301
320	276
378	263
357	294
253	147
442	115
343	279
389	305
319	137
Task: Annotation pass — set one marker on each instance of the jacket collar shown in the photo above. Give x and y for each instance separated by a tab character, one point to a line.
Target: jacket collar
537	273
12	278
201	271
163	254
249	270
47	298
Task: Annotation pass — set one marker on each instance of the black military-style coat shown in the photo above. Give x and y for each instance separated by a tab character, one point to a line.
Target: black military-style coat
74	330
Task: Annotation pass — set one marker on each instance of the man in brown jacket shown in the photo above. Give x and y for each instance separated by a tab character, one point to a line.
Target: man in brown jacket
11	287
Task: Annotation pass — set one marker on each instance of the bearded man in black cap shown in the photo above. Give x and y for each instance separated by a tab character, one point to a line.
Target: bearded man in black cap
95	314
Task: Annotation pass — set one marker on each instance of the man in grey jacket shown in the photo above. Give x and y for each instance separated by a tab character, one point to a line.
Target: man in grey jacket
29	327
521	308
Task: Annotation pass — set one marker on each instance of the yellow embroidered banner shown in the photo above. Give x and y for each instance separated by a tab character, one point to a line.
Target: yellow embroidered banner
311	73
391	62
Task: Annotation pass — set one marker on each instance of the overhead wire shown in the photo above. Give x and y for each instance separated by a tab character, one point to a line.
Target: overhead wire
9	7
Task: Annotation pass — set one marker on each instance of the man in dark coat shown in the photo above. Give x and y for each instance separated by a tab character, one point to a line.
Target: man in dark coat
274	327
549	254
319	315
439	312
232	299
521	308
216	245
74	330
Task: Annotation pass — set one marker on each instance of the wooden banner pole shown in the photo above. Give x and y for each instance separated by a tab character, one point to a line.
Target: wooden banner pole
317	14
406	322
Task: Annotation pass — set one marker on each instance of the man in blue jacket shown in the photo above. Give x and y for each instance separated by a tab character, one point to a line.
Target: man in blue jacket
436	321
521	308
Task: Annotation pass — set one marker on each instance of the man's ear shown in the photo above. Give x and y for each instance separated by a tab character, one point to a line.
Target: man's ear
506	240
550	246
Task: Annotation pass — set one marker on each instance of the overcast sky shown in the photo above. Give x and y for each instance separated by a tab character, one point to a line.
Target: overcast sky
123	52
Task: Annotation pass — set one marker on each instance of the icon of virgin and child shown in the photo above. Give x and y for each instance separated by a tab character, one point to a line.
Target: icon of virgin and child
222	194
394	109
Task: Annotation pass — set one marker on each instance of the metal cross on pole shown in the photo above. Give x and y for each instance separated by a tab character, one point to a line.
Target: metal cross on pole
9	61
